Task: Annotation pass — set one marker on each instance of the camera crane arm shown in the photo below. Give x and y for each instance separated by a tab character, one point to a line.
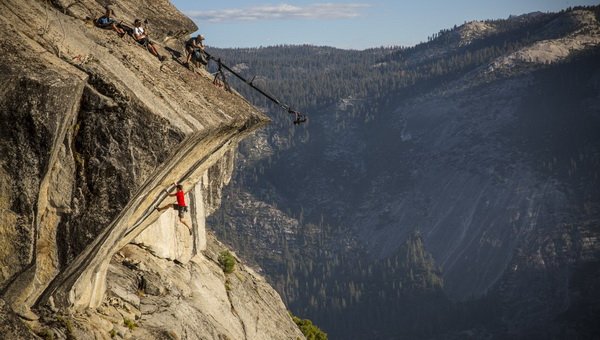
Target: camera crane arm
299	117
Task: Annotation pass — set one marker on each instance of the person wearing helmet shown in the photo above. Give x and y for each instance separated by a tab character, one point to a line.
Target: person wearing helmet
195	48
180	206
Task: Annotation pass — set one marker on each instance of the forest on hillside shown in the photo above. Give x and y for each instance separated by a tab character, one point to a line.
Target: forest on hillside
317	262
313	77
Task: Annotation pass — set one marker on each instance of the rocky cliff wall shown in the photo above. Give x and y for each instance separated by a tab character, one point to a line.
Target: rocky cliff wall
93	129
164	236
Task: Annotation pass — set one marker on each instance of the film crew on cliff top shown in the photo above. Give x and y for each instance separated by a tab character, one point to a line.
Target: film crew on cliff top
107	21
180	206
195	51
139	34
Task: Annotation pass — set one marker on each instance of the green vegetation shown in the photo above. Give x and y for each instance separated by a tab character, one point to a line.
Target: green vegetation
227	261
310	331
129	324
112	333
68	325
47	334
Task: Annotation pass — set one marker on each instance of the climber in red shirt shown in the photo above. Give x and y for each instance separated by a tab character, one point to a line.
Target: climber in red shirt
180	206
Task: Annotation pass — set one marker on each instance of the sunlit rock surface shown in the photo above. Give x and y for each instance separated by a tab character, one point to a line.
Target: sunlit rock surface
93	129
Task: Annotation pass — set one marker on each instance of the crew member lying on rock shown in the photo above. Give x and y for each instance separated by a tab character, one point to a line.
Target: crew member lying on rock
139	34
180	206
108	22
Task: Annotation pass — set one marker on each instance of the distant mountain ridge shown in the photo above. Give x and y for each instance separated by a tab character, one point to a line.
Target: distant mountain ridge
483	140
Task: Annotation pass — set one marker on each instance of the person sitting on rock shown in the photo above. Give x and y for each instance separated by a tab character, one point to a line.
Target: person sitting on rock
180	206
139	34
108	22
195	49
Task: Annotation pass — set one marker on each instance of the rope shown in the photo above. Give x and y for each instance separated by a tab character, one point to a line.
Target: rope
46	29
47	24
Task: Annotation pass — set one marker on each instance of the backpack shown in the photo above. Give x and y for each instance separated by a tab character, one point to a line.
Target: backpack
103	21
199	56
189	42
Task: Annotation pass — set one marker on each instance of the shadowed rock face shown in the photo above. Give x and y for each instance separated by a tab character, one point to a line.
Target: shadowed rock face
93	129
39	105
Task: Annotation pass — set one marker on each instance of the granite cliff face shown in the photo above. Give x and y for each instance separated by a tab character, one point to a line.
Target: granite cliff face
93	128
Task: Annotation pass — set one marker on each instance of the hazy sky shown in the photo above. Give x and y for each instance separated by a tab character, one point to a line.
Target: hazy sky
347	23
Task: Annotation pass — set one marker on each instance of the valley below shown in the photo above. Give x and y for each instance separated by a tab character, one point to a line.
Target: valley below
447	190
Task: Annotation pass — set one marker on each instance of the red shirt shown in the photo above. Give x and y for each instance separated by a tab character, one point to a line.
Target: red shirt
181	198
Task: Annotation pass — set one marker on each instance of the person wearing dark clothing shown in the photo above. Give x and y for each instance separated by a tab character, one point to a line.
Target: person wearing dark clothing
108	22
180	206
195	49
